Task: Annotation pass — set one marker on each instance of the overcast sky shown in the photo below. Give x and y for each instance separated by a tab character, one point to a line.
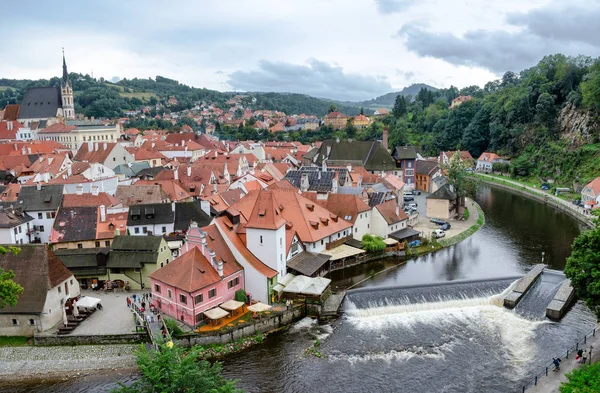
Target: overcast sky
342	49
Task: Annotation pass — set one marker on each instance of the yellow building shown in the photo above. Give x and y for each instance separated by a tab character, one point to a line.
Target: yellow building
75	133
336	120
361	121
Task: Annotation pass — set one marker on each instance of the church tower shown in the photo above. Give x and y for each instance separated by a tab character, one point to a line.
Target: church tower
66	93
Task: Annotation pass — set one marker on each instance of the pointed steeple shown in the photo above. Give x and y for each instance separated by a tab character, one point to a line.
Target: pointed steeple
65	77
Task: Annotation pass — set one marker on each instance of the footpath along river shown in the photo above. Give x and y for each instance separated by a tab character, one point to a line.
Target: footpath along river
439	338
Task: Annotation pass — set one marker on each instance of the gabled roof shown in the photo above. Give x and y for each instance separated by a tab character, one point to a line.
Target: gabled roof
344	206
140	194
370	154
308	264
189	272
131	169
74	224
266	213
485	156
150	214
10	193
443	192
405	153
40	102
136	243
594	185
57	127
186	212
391	213
37	270
10	218
8	129
49	197
99	152
11	112
424	167
318	179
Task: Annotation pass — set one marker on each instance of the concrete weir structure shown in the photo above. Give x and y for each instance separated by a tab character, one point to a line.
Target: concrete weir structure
512	299
561	302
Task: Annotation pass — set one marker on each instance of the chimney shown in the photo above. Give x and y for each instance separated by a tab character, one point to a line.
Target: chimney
324	166
216	153
349	167
105	145
359	182
397	210
39	186
182	143
189	171
213	258
46	177
92	119
202	240
90	145
334	185
386	132
214	188
28	150
69	171
220	268
96	146
79	190
102	213
17	147
304	184
173	207
23	151
153	144
176	174
95	190
9	126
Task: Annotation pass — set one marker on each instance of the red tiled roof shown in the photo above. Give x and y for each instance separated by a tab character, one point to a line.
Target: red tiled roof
100	155
83	200
594	185
335	114
388	211
8	129
57	127
11	112
488	157
10	193
189	272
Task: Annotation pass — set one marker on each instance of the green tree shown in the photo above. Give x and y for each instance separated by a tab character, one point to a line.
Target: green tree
462	184
590	88
546	110
583	268
9	290
399	109
585	379
372	243
173	370
332	108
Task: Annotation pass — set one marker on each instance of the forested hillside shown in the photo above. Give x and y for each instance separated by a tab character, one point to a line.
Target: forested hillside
97	97
545	118
387	100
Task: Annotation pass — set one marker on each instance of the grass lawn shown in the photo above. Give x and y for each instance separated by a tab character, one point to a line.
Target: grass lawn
2	88
146	95
13	341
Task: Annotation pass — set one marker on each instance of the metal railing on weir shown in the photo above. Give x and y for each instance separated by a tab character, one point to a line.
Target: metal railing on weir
571	351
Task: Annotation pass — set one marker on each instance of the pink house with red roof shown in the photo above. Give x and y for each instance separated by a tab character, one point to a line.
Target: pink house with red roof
203	277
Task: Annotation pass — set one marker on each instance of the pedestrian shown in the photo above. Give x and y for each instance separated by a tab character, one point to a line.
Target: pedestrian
580	355
133	296
148	319
158	317
128	302
287	304
584	357
143	304
556	362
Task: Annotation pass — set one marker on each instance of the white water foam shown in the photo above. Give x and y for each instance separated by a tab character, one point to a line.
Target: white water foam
485	314
393	355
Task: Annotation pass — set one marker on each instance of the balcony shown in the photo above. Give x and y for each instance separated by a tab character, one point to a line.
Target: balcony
338	242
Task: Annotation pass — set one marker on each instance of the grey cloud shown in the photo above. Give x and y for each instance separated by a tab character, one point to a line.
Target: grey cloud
543	31
393	6
405	74
318	79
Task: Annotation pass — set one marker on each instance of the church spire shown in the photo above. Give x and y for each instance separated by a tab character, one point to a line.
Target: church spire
65	77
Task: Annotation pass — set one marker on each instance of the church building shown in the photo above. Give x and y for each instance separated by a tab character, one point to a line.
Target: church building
48	105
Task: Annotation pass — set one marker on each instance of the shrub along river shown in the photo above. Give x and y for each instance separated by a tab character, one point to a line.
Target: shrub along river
446	333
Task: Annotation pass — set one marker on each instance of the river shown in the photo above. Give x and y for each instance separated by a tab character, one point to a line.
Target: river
446	335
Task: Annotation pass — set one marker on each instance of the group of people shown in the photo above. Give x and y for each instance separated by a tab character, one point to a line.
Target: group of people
139	299
581	357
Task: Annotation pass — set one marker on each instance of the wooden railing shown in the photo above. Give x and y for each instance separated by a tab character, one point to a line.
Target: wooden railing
338	242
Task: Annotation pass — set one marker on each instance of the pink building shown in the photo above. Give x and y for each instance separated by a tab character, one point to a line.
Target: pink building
205	276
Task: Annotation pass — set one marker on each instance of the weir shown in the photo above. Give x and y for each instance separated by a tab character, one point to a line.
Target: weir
513	298
561	302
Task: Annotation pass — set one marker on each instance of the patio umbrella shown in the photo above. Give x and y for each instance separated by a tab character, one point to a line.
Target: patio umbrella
65	319
259	307
75	310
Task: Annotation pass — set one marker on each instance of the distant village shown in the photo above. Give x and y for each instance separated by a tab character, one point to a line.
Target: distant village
192	219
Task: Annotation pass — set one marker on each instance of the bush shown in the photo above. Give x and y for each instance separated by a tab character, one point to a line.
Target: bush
240	296
372	244
585	379
466	214
173	328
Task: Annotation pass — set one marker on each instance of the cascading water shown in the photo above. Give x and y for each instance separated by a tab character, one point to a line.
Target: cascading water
534	303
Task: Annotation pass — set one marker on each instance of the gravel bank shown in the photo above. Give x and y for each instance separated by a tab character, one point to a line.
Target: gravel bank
25	362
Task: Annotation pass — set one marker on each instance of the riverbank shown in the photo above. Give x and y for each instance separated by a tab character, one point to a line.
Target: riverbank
538	195
33	362
477	221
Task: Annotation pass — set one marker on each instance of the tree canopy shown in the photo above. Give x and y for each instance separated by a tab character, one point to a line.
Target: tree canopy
173	370
585	379
9	289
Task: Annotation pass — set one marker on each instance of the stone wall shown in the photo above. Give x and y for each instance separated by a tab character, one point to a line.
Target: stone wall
67	339
264	325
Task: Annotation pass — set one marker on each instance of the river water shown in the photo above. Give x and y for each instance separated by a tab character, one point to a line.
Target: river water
433	324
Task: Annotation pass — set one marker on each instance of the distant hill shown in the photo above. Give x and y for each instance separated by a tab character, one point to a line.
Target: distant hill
387	100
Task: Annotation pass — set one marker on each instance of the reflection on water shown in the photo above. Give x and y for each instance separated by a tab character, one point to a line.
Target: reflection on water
459	343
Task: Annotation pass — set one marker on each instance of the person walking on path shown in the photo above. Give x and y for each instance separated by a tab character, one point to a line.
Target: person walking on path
556	362
133	296
584	357
128	302
580	356
287	304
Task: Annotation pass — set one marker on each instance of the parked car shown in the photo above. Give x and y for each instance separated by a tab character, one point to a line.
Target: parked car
438	233
437	221
446	226
414	243
545	187
416	192
408	198
413	205
469	170
577	202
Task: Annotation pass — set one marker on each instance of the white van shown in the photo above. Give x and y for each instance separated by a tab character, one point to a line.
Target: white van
438	233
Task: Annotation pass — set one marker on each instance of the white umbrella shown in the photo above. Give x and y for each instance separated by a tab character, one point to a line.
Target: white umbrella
65	319
75	310
259	307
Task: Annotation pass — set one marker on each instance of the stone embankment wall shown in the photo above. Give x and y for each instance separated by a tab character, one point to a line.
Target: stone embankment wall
264	325
43	340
